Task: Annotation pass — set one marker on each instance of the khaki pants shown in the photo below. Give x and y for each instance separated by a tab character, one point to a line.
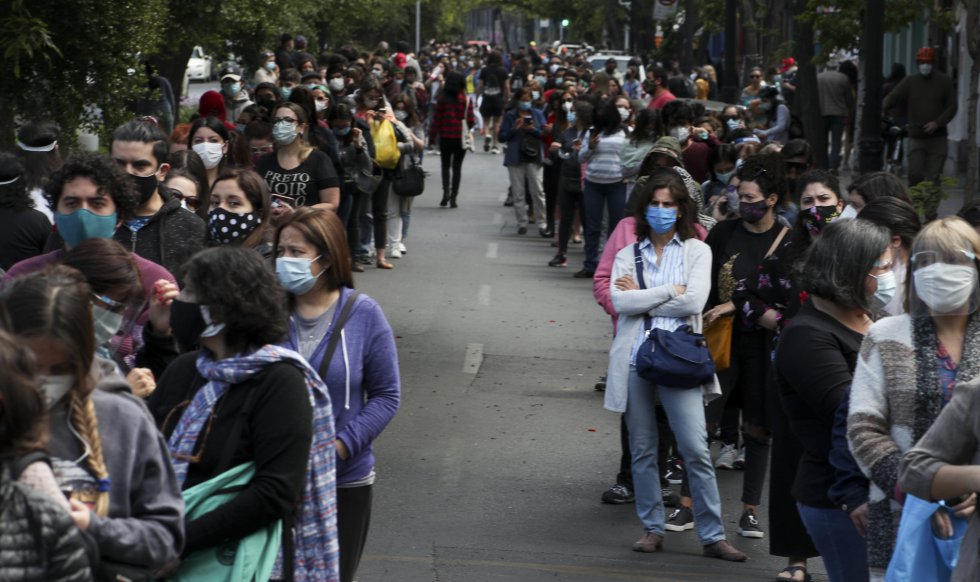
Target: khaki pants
926	158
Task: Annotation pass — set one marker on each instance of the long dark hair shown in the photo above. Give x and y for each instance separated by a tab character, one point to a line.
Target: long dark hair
257	192
454	86
607	119
659	178
38	166
22	409
13	195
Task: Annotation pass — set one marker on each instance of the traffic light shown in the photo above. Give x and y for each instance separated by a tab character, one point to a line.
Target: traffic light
564	22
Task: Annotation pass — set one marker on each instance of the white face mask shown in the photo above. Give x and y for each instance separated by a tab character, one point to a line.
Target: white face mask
883	295
680	134
54	388
849	212
401	114
624	113
925	69
211	153
370	103
725	177
567	106
946	288
337	84
321	105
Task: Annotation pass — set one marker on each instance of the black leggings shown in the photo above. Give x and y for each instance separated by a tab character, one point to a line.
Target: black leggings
568	202
353	519
379	209
550	179
452	153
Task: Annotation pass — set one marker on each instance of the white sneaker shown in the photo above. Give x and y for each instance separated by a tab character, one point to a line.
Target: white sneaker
395	253
739	459
726	460
402	249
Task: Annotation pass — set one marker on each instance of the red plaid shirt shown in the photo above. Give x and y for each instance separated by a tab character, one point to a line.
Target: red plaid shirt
447	120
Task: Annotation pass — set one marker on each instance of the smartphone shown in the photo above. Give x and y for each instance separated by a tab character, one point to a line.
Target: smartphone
280	200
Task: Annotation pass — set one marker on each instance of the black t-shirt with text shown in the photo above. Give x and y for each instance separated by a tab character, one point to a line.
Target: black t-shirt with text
304	182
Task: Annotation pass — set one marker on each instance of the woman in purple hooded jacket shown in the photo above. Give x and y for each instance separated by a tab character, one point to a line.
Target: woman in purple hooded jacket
361	370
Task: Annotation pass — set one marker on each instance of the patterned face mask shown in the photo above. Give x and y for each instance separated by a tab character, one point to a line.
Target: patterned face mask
229	228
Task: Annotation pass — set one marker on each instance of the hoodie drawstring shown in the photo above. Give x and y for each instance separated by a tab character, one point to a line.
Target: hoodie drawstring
343	345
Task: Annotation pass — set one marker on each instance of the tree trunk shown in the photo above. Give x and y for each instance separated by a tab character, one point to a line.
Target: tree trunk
871	144
807	99
172	64
687	35
750	37
972	151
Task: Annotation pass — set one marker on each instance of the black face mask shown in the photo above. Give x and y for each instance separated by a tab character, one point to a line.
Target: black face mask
186	323
145	185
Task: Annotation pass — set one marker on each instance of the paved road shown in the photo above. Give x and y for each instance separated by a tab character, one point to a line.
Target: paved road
493	468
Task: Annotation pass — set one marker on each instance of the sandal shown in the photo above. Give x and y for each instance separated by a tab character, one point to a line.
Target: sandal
792	571
356	267
382	264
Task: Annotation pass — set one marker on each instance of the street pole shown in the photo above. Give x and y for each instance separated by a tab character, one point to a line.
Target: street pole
871	143
729	86
626	33
418	26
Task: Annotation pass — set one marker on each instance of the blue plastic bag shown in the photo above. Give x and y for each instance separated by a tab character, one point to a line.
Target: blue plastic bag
919	554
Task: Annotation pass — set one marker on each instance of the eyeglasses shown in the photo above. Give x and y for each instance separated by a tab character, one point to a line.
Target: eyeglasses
289	120
755	76
191	203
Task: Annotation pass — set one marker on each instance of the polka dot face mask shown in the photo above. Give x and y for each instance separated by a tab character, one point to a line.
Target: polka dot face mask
229	228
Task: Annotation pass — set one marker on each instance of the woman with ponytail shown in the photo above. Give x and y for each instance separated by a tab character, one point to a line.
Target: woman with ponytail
108	458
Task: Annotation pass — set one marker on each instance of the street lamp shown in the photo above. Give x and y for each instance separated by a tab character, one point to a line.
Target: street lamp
561	30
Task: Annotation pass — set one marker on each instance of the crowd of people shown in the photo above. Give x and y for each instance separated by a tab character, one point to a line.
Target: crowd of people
197	287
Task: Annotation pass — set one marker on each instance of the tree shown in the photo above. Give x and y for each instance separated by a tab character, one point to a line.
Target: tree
75	62
973	48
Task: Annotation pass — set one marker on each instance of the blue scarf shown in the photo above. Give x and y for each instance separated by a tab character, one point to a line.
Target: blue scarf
316	546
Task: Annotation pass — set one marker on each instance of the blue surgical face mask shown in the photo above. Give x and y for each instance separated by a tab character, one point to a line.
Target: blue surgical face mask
571	117
83	224
285	92
233	89
296	274
724	177
661	220
106	322
341	132
883	295
535	95
524	105
271	65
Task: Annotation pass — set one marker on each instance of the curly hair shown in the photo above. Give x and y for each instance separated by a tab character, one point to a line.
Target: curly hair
242	292
767	171
109	178
13	195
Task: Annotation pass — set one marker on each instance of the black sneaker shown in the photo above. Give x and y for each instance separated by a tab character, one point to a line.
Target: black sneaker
671	499
584	274
486	145
681	519
675	471
618	495
748	526
558	261
521	230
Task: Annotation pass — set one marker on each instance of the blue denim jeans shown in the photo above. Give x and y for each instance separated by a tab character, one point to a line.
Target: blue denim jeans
613	197
844	551
685	411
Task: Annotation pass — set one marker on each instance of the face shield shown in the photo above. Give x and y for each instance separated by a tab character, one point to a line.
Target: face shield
943	282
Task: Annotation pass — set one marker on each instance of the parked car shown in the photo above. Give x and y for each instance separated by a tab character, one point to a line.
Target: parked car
200	66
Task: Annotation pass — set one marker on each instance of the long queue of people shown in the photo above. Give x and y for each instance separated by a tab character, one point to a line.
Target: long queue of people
154	339
840	328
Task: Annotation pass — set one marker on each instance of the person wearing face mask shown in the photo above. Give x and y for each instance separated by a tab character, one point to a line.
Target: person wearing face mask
696	143
722	162
246	412
521	129
267	70
910	367
233	91
361	370
241	212
24	230
777	131
161	230
769	299
40	538
903	222
105	450
738	247
91	196
357	161
565	147
210	139
301	174
932	103
847	277
668	292
752	102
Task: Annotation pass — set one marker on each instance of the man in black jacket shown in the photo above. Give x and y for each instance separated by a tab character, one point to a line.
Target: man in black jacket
161	230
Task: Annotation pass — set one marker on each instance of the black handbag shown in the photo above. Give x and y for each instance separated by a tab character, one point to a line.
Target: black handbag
410	180
679	358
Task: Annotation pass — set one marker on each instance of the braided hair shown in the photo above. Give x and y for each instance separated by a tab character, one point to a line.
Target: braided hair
56	303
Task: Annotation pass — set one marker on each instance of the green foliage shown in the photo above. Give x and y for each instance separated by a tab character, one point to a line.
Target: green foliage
839	22
926	196
74	61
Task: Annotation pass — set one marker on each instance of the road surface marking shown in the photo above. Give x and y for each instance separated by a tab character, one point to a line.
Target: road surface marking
491	250
473	359
483	296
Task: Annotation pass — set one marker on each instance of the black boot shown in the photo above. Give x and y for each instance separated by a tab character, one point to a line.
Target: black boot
452	200
445	198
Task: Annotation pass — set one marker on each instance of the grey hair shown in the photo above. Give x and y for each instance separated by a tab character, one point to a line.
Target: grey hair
836	264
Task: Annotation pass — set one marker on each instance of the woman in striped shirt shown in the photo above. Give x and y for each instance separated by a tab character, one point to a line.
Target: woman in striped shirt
601	153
